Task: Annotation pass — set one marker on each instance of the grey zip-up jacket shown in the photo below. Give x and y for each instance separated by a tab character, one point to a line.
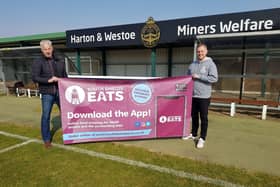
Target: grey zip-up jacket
207	71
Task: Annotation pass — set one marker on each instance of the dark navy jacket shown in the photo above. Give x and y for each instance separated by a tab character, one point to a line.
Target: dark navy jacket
43	69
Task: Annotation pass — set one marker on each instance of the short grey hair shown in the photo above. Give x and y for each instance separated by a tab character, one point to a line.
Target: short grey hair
45	42
202	45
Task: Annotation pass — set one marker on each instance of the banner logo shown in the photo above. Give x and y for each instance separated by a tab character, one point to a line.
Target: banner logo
75	95
166	119
141	93
181	87
150	33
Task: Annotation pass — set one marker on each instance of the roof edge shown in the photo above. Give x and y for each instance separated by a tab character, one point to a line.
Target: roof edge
50	36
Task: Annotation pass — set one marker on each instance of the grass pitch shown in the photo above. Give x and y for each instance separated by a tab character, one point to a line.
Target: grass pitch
240	150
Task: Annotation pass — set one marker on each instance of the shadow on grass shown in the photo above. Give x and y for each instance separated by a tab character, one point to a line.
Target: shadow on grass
56	125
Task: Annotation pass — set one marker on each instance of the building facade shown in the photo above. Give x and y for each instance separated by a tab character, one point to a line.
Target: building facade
245	47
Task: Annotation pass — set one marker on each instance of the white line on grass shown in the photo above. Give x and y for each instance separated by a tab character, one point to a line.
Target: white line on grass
16	146
161	169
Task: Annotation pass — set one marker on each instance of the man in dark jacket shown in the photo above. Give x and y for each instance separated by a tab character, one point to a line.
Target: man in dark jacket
46	71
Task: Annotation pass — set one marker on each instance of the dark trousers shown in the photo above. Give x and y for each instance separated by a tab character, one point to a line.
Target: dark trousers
200	109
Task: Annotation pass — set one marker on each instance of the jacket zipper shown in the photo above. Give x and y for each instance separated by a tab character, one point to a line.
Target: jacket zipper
52	72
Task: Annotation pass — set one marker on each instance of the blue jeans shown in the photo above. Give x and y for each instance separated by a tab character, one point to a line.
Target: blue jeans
47	103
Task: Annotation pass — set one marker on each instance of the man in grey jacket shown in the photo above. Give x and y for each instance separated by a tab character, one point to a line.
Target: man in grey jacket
204	73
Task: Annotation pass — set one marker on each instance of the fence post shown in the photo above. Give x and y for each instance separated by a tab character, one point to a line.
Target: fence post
17	92
264	110
232	109
28	93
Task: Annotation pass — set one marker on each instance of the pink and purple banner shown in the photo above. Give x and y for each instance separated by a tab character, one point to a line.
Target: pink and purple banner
94	109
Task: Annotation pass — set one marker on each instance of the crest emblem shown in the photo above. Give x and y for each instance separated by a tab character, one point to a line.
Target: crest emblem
150	33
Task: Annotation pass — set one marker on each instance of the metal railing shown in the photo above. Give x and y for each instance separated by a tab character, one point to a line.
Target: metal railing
233	107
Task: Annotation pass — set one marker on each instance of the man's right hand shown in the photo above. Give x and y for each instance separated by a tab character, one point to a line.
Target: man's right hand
53	79
195	76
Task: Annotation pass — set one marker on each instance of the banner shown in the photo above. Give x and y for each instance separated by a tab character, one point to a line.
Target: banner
124	109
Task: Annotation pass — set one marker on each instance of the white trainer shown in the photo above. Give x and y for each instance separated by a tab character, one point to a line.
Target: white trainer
200	143
190	137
